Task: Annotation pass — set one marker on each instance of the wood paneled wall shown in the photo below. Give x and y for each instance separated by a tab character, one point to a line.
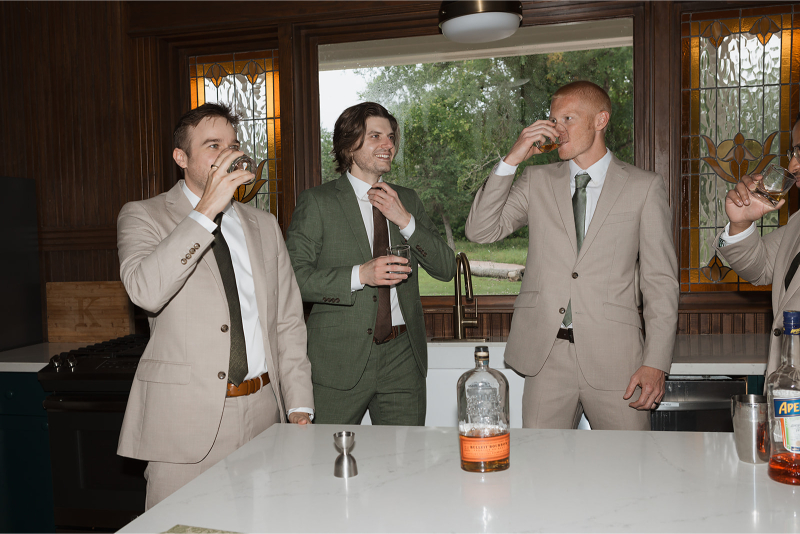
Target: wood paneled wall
91	91
78	117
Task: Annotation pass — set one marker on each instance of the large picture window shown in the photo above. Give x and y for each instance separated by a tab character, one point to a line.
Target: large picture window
460	109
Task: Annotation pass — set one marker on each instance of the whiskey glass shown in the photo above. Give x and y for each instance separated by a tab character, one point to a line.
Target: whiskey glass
243	163
773	185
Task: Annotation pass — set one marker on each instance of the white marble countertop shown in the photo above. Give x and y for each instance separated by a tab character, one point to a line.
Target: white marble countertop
32	358
410	480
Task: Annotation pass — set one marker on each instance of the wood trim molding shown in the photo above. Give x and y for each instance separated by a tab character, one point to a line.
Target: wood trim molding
80	238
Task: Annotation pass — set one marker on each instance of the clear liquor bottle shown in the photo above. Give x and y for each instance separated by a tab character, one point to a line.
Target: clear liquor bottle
783	399
483	417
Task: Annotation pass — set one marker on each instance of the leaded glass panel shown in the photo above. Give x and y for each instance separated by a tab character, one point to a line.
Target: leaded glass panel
740	96
248	82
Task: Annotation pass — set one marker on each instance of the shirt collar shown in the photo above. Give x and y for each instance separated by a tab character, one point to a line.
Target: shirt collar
195	200
597	172
360	186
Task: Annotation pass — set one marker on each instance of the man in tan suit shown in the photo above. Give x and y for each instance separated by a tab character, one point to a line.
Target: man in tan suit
771	259
599	229
225	313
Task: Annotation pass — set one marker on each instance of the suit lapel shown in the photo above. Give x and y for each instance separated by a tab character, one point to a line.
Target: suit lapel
559	183
352	214
616	177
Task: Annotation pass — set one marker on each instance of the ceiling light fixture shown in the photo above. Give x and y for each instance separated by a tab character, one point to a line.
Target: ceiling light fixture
476	21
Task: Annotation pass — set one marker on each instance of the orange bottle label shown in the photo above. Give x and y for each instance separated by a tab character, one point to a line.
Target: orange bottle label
485	449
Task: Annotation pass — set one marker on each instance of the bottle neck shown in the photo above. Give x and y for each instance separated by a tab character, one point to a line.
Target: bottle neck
791	350
481	363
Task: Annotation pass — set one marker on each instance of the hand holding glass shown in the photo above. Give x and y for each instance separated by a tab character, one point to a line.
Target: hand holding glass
403	251
774	185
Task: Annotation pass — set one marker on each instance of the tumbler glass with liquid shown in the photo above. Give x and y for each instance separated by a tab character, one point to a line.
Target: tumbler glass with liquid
243	163
783	402
549	144
401	251
774	185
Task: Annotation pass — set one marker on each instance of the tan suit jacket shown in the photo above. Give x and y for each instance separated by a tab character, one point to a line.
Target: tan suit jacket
168	269
629	238
765	260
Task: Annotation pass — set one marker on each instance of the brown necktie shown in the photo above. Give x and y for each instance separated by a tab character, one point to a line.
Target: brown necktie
237	368
380	242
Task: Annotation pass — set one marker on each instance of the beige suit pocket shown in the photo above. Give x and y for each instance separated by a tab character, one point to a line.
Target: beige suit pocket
622	314
526	299
164	372
620	217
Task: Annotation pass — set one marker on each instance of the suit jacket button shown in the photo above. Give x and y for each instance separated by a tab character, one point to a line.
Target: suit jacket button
562	311
221	375
183	261
188	256
574	275
369	331
224	328
336	301
374	298
776	332
197	245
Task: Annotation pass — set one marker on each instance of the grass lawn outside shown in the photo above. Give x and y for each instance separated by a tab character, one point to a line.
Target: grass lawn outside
513	250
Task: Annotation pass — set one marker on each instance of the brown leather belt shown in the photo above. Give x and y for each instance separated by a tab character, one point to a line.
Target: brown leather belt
248	387
566	334
396	331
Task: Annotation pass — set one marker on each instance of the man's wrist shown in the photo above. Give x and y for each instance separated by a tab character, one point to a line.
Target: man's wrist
738	228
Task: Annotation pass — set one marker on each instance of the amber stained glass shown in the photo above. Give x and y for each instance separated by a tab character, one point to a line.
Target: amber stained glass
739	78
248	82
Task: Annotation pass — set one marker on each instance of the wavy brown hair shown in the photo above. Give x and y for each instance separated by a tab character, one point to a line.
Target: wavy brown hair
350	128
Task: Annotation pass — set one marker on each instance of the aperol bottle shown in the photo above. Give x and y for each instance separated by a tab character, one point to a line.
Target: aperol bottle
483	417
783	398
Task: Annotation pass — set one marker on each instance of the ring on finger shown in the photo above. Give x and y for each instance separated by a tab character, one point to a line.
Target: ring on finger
215	166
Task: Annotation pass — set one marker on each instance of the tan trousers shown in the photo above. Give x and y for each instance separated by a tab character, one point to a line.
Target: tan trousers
243	418
560	394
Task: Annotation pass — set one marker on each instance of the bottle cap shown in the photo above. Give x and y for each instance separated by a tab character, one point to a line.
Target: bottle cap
791	322
482	353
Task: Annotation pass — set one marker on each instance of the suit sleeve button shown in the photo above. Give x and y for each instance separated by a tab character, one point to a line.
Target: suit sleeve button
188	256
369	331
574	275
183	261
221	375
776	332
562	311
374	298
197	245
224	328
336	301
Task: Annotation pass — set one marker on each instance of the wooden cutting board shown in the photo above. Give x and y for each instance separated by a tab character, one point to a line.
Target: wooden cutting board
87	312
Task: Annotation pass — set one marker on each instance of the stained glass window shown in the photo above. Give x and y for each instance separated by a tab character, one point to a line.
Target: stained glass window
739	96
248	82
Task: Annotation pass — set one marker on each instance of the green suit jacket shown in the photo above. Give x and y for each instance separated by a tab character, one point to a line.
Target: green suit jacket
325	240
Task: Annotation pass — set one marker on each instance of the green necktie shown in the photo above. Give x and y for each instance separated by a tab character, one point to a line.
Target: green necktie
237	368
579	211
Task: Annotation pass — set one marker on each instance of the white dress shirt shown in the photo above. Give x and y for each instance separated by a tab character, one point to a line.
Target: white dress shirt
597	177
362	188
245	287
728	239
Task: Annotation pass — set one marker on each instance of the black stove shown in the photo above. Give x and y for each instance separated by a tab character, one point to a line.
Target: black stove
93	488
107	366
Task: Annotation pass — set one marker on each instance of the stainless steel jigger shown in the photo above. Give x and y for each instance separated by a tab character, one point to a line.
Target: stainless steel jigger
345	465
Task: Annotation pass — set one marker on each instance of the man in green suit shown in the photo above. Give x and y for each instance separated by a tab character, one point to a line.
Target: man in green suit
366	331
